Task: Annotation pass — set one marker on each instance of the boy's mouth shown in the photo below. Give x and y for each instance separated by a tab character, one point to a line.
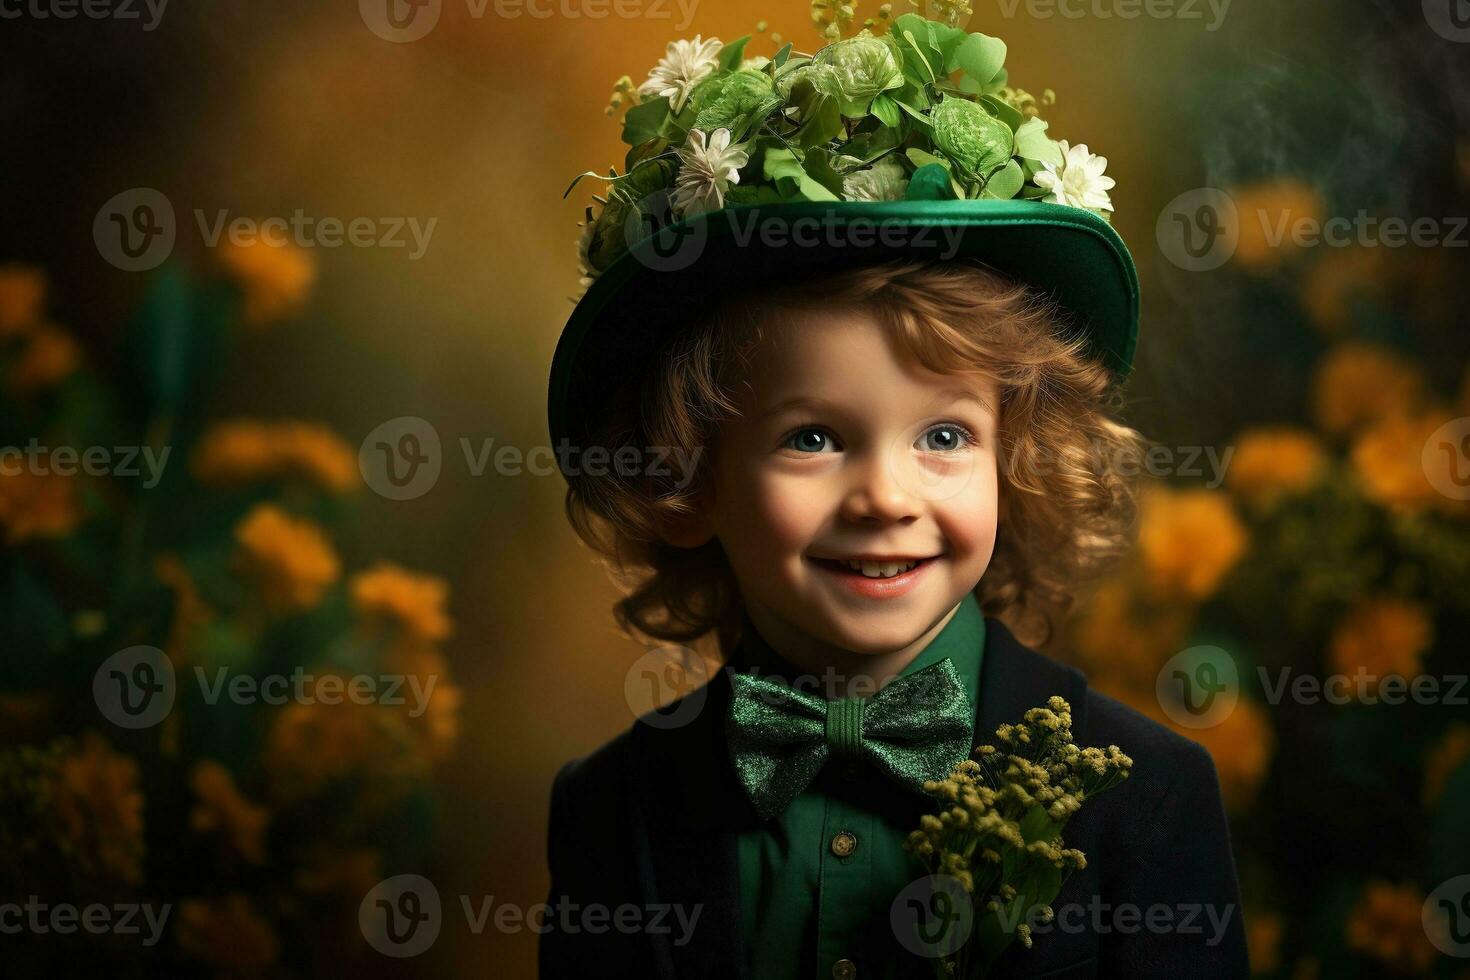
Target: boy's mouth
876	576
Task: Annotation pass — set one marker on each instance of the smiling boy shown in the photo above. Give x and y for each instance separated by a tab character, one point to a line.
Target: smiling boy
911	462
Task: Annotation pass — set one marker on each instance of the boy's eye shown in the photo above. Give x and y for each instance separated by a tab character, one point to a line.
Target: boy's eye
946	438
810	440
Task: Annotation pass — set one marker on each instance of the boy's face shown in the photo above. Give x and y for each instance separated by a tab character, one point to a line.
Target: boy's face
846	450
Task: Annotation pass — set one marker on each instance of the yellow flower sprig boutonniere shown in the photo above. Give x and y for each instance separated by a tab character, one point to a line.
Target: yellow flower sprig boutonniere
994	848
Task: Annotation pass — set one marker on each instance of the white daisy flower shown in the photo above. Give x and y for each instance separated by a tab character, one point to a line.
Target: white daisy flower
883	181
683	64
709	167
1079	181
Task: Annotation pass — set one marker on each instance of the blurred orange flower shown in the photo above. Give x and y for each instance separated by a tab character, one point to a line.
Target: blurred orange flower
1113	635
290	559
314	744
222	809
1394	470
36	502
48	357
190	609
275	279
1263	938
1187	541
22	298
227	932
99	809
1445	756
438	722
1267	208
1359	383
1386	925
1382	637
1273	462
242	451
412	602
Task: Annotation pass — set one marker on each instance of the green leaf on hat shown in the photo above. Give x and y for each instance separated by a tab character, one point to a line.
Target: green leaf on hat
643	121
1001	109
733	53
818	166
886	110
931	182
782	167
1005	183
981	57
782	55
1032	143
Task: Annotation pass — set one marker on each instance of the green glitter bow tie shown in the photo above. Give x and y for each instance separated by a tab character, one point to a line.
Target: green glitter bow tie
916	728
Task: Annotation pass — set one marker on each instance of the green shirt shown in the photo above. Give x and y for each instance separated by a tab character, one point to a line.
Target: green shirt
804	908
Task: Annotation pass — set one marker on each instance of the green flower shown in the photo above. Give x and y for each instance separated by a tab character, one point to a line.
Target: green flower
860	69
971	137
735	96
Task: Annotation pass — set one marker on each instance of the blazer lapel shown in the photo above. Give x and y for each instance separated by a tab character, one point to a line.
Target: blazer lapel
690	809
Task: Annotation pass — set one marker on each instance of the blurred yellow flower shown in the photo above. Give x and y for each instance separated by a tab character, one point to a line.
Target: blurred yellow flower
1445	756
1358	383
98	808
275	279
227	932
438	723
1391	465
412	602
223	810
1187	541
241	451
314	744
22	298
190	610
289	559
1386	925
1263	938
1383	637
1273	462
1113	635
1266	209
48	357
36	502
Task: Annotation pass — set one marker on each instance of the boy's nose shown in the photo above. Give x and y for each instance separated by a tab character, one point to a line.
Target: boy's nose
877	494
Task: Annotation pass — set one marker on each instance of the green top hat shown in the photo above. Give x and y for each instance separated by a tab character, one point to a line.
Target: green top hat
747	174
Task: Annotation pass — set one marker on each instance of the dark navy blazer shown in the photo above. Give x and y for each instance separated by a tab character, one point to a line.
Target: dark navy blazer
650	819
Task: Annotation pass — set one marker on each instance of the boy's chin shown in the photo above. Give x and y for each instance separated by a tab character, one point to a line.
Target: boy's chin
874	634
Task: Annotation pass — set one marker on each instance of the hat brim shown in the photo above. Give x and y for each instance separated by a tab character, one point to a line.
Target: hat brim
670	280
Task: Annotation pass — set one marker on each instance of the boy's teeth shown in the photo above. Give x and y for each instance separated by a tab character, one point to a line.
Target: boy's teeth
880	569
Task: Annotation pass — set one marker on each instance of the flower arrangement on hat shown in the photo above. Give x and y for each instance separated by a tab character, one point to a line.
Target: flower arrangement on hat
919	111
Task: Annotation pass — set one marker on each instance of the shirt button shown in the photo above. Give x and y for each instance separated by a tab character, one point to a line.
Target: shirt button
844	969
844	844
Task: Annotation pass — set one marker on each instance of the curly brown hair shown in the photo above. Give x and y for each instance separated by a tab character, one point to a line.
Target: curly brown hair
1067	504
